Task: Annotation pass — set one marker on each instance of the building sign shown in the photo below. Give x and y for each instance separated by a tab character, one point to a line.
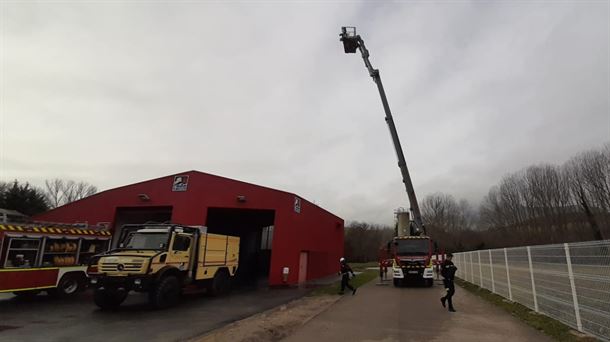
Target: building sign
297	205
180	183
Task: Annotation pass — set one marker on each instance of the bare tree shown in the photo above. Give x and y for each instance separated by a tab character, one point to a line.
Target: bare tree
449	222
60	192
492	215
546	200
540	204
54	192
363	240
587	178
75	191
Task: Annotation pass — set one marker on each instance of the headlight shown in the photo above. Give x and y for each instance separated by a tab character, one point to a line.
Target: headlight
93	281
137	281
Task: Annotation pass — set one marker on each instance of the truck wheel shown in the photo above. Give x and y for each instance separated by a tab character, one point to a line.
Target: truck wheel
29	294
397	282
68	286
221	283
166	293
108	299
429	282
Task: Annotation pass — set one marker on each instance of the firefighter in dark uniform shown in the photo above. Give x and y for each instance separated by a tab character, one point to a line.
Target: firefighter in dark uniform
345	271
448	272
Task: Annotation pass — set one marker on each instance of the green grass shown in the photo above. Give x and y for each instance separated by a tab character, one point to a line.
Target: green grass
359	267
357	281
549	326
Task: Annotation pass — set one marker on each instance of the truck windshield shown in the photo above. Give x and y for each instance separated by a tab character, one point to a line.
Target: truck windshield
412	247
146	241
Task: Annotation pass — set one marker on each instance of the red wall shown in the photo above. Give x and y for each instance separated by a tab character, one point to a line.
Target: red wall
313	230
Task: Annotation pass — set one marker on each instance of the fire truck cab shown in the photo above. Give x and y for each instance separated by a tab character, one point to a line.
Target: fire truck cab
49	257
412	259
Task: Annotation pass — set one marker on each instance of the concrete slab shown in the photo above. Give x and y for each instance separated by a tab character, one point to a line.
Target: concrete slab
78	319
386	313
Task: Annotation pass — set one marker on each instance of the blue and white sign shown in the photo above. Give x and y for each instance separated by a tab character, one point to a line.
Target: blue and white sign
180	183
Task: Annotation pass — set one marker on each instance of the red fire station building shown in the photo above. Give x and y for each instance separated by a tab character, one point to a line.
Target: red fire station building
278	229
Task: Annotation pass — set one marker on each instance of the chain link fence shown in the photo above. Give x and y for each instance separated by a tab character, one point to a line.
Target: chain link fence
567	282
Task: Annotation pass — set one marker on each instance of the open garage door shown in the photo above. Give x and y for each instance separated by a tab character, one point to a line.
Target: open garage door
255	230
128	215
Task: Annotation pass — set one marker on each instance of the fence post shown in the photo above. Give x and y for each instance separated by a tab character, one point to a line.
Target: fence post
463	263
463	272
529	259
510	291
480	269
571	276
471	268
491	268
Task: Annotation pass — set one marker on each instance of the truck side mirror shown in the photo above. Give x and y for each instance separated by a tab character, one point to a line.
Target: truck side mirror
121	245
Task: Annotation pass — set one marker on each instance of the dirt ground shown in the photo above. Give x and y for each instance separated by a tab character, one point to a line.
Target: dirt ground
274	324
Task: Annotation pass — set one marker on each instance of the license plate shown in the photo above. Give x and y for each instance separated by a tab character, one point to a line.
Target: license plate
412	272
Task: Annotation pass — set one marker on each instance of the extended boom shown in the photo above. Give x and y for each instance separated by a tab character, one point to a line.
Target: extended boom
351	43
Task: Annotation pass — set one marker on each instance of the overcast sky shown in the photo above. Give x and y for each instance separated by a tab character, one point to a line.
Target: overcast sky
118	92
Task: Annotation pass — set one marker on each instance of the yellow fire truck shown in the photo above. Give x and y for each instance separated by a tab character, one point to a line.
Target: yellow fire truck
163	259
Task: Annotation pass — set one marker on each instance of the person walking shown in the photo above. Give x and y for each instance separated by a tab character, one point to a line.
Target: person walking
345	271
448	272
381	270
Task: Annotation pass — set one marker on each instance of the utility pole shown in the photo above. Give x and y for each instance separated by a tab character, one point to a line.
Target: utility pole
351	43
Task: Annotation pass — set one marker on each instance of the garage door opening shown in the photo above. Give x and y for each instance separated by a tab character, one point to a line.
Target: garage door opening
255	230
139	215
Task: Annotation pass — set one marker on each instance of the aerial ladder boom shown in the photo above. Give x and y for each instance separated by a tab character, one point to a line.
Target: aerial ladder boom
351	43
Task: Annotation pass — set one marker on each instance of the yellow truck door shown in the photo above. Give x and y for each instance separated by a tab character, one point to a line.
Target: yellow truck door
179	254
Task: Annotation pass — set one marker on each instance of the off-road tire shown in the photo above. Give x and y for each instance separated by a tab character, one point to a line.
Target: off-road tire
69	285
166	293
397	282
429	282
221	283
108	299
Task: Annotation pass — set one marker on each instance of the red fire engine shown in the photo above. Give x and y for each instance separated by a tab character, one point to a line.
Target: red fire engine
411	258
53	258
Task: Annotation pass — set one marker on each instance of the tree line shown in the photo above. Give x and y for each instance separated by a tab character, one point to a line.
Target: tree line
551	203
540	204
363	240
31	200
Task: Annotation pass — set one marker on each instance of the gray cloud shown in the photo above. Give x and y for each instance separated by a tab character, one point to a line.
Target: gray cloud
114	93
